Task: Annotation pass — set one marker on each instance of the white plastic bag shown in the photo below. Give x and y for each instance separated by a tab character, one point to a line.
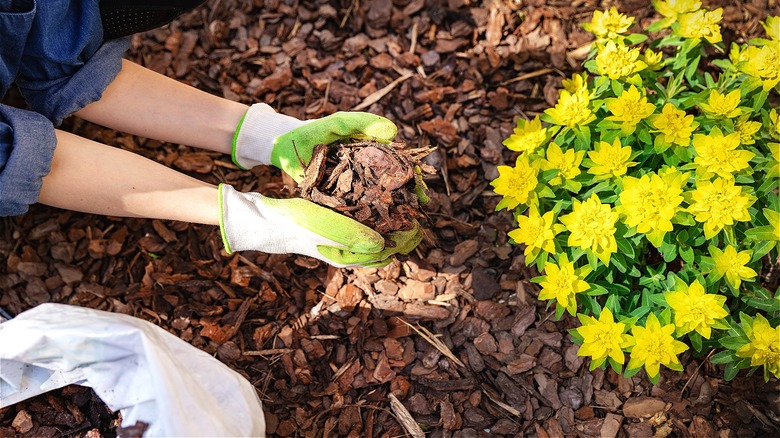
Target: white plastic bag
132	365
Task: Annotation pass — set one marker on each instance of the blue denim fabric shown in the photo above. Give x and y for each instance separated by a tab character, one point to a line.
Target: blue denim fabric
54	51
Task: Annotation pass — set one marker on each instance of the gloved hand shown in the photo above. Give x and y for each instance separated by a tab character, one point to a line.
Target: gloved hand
267	137
250	221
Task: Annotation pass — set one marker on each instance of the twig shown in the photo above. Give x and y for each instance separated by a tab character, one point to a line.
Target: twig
376	95
405	418
682	391
433	340
530	75
267	352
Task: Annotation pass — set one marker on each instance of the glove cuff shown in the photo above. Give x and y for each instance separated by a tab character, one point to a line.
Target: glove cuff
236	210
256	134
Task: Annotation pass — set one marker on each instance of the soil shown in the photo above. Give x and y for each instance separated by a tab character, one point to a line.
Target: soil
451	335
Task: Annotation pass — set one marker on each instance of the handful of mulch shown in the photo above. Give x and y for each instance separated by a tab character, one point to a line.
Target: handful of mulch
379	185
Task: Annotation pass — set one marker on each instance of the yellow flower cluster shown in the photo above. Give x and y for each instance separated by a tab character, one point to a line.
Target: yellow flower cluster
650	346
609	24
630	162
618	61
764	346
701	24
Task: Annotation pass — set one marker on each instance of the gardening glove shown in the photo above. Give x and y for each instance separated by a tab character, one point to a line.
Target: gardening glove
250	221
266	137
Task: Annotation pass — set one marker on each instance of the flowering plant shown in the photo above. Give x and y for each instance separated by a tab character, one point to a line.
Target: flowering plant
647	196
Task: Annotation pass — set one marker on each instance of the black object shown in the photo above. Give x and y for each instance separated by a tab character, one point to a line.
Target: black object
126	17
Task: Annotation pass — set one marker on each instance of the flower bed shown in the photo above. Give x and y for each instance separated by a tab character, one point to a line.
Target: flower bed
647	196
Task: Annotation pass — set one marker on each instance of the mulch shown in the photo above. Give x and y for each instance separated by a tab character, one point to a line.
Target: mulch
454	330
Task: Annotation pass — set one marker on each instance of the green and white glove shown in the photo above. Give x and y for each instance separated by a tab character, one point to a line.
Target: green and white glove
251	221
266	137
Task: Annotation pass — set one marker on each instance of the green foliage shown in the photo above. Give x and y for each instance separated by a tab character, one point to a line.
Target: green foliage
651	189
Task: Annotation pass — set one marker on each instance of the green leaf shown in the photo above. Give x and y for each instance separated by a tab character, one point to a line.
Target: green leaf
596	290
761	249
767	187
619	262
695	341
583	136
591	66
630	373
660	24
634	272
644	136
636	38
750	84
725	356
759	99
593	261
559	311
668	251
766	232
765	304
617	87
687	254
658	299
613	305
730	372
639	312
546	192
654	379
615	366
732	342
625	248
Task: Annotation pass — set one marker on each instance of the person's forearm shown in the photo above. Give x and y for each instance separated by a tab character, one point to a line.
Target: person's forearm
91	177
145	103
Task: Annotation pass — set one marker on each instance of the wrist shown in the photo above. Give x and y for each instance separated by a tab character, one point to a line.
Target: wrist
253	140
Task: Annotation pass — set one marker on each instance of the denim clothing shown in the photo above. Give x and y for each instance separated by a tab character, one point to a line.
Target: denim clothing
53	50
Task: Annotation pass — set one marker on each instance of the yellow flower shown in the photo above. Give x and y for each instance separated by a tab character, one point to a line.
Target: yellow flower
701	24
774	171
774	220
747	130
592	227
719	203
562	282
535	232
718	154
515	184
650	202
654	345
527	136
608	24
732	264
603	338
694	309
673	126
764	346
764	63
572	109
567	163
772	27
630	108
675	8
738	55
618	61
610	159
719	105
654	60
576	83
774	126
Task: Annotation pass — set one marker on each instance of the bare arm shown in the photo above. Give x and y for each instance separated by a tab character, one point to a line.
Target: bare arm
91	177
145	103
